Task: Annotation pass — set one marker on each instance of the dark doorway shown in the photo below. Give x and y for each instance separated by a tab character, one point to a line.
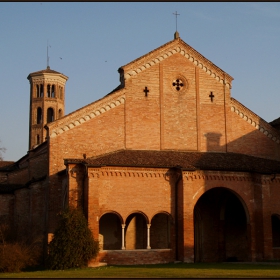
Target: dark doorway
220	227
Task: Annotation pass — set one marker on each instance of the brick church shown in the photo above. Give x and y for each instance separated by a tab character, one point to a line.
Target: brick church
166	167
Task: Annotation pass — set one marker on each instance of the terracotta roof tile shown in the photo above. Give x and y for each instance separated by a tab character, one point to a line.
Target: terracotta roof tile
45	71
185	160
5	163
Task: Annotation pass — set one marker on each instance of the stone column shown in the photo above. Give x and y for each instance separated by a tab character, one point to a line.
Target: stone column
123	227
148	236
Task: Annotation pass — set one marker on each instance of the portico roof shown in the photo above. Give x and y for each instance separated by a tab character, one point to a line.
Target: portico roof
185	160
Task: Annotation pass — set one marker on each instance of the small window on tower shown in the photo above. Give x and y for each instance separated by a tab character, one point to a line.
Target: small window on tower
39	115
60	113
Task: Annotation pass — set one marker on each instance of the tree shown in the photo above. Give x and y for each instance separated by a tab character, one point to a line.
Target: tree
2	150
73	244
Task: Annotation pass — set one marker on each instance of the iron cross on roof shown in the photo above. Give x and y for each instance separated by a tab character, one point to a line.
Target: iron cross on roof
176	18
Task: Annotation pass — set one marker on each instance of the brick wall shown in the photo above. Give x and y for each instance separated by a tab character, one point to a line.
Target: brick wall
132	257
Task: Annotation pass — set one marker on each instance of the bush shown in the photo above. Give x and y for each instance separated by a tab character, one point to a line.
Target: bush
16	255
73	244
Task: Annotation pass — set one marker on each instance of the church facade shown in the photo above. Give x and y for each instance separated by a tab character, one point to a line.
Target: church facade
167	167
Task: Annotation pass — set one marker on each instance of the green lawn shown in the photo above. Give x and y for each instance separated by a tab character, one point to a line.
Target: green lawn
179	270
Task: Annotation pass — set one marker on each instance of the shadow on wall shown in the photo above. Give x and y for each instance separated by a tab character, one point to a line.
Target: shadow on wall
254	143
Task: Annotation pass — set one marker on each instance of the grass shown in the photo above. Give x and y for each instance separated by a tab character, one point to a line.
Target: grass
179	270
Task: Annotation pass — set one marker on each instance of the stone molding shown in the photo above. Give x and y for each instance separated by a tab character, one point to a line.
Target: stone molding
85	114
186	51
255	120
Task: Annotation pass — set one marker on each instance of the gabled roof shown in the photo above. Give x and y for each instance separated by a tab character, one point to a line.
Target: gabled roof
175	46
185	160
117	96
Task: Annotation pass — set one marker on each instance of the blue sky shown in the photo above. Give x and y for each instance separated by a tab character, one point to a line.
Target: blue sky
95	39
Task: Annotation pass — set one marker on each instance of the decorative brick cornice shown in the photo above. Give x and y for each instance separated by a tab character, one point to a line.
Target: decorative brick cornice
86	113
230	176
255	120
216	176
126	173
171	48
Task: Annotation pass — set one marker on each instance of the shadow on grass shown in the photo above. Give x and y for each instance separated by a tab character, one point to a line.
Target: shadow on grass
222	266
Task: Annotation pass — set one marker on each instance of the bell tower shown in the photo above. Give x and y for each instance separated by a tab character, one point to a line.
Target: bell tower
47	99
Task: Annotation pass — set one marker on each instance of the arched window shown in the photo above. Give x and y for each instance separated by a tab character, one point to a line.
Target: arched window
39	115
53	91
41	90
275	224
49	90
50	115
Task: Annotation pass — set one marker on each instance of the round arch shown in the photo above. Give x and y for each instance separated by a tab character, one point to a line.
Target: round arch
202	191
110	231
136	230
138	212
163	212
221	229
112	212
160	232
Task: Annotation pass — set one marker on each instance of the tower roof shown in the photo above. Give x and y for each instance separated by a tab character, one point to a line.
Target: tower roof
45	71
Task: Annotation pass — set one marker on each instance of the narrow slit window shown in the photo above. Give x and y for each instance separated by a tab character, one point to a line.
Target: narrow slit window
49	90
41	91
39	115
53	91
38	91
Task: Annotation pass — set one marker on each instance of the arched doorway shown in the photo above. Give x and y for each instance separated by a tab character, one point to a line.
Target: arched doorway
110	232
220	227
160	231
136	232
